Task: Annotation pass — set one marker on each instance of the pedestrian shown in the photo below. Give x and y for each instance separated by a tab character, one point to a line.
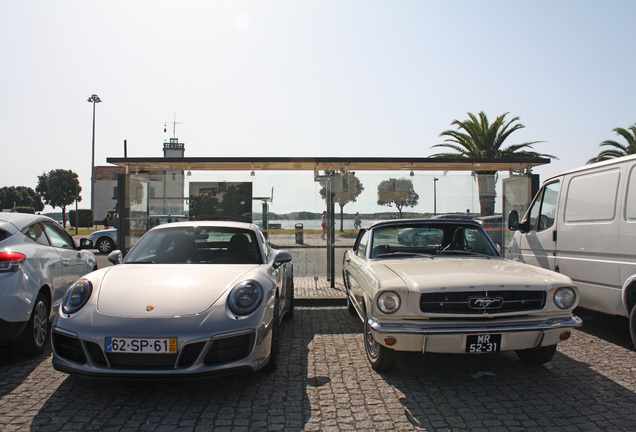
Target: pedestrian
356	221
107	221
323	225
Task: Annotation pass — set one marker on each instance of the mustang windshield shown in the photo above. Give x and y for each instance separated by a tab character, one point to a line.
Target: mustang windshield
431	239
196	245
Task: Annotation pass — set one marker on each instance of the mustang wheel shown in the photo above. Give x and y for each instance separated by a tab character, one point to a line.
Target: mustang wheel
105	245
33	339
380	357
537	356
272	363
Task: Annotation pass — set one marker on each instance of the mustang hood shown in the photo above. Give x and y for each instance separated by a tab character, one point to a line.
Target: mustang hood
171	290
471	272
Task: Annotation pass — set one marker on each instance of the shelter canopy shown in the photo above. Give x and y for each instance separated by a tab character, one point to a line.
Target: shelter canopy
141	164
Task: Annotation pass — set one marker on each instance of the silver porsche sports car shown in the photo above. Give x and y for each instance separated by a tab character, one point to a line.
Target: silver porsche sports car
440	286
190	298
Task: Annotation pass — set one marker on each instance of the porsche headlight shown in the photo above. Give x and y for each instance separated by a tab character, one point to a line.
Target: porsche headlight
389	302
564	297
76	296
245	297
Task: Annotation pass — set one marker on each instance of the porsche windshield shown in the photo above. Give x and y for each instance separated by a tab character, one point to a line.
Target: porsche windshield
196	245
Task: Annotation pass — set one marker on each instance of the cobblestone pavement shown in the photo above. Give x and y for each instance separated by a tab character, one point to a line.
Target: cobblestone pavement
325	383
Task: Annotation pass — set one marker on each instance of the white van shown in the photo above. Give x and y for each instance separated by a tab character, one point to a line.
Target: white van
582	223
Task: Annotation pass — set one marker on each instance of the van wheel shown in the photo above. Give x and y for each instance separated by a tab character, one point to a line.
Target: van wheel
33	338
537	356
632	325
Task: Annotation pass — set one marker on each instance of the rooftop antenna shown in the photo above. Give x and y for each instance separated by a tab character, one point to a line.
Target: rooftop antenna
174	126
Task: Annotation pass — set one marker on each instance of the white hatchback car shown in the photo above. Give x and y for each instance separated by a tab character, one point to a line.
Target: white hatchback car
441	286
39	260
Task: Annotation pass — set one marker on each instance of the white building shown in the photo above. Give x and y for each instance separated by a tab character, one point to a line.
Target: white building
165	188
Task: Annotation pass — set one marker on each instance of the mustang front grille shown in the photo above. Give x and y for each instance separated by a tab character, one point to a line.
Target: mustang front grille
482	302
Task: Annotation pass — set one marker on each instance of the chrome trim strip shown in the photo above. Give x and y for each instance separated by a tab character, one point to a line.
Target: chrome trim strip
550	324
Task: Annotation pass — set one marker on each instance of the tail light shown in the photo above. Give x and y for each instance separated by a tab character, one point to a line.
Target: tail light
11	261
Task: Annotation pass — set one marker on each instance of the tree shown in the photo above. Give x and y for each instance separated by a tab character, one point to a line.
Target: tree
203	207
237	202
345	189
59	188
20	196
477	138
616	149
399	192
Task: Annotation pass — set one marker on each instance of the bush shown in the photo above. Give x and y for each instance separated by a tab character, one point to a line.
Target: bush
85	218
29	210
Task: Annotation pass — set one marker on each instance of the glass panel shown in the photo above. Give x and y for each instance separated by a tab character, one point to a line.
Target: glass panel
288	205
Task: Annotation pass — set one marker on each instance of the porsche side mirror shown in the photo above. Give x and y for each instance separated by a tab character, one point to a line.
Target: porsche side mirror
115	257
282	256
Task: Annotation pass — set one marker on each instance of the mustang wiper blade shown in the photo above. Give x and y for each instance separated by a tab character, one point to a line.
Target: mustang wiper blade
461	252
405	254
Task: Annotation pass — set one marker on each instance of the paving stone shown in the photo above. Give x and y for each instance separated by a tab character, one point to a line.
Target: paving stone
325	383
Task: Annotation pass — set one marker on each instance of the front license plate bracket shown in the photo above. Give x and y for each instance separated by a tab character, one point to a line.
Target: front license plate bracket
140	345
482	343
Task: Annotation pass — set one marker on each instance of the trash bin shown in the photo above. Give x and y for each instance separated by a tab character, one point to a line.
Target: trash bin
299	234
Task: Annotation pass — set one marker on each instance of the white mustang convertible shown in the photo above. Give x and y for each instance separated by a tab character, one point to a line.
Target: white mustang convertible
190	298
441	286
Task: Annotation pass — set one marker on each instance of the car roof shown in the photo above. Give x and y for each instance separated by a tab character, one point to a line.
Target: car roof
22	220
406	222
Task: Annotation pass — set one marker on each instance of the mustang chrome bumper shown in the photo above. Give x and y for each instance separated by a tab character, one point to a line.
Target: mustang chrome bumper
427	329
450	338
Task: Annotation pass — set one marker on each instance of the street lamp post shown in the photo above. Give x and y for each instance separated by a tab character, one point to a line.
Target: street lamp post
94	99
435	195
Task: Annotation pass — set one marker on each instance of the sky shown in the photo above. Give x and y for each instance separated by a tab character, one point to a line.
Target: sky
306	78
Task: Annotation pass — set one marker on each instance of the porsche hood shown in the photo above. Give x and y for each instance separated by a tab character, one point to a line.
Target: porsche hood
170	290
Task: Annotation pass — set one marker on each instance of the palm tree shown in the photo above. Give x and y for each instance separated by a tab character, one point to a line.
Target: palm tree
477	138
617	149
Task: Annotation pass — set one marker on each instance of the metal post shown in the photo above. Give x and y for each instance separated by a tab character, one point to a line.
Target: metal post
435	179
94	99
331	237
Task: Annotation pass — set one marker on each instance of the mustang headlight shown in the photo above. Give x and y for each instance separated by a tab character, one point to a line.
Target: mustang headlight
76	296
245	298
389	302
564	297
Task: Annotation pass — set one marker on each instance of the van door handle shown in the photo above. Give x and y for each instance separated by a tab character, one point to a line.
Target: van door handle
554	236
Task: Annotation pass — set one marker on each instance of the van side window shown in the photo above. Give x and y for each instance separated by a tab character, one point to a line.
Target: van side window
630	205
592	197
543	210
